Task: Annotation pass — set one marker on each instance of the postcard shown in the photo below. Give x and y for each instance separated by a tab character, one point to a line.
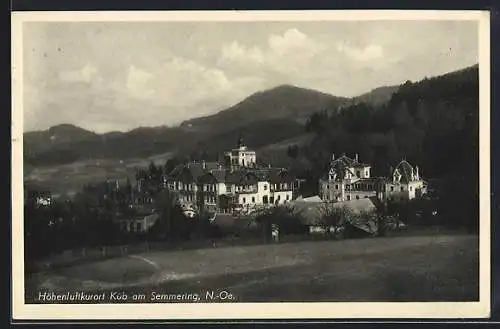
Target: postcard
211	165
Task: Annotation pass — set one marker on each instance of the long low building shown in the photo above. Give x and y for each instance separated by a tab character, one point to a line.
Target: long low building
311	212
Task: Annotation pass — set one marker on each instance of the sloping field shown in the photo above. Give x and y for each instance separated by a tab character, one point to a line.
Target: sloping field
422	268
70	178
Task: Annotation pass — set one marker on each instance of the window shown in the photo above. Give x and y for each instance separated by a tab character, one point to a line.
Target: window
253	199
369	186
244	200
411	188
402	188
279	197
367	173
265	187
366	196
138	227
392	188
327	186
357	197
348	197
287	197
336	186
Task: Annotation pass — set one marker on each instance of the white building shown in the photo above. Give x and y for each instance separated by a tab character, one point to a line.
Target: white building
240	184
241	156
348	179
404	183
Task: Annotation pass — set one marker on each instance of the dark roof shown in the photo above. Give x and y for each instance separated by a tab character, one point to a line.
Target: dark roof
282	176
345	161
211	165
195	171
207	178
235	177
191	172
219	174
246	177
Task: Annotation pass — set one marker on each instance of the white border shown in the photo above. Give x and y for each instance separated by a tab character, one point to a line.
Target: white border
321	310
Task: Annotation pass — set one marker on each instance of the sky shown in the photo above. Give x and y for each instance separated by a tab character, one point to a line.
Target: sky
117	76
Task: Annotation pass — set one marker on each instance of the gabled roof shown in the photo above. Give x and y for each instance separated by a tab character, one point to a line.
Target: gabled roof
282	176
219	174
314	198
234	177
345	161
405	170
207	178
191	172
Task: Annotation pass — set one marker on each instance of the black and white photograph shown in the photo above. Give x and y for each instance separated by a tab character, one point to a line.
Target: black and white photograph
227	164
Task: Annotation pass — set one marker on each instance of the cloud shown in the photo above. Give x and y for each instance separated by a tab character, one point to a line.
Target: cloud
178	81
84	74
234	52
136	82
106	76
291	40
282	52
367	53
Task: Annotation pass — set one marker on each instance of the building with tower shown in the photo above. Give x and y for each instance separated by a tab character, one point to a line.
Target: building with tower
241	156
237	183
349	179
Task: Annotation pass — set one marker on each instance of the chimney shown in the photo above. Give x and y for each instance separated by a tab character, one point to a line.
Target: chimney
204	165
333	156
356	156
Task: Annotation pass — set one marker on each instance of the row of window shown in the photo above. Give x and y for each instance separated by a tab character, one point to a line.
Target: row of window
348	187
278	198
348	198
238	188
402	188
132	227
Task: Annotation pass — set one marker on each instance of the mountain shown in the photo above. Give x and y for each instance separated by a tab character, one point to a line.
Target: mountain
378	96
264	118
281	102
37	141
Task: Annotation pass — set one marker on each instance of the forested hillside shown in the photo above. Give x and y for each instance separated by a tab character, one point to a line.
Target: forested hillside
433	123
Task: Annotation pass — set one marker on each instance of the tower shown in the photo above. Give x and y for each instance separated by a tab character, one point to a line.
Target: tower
241	143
